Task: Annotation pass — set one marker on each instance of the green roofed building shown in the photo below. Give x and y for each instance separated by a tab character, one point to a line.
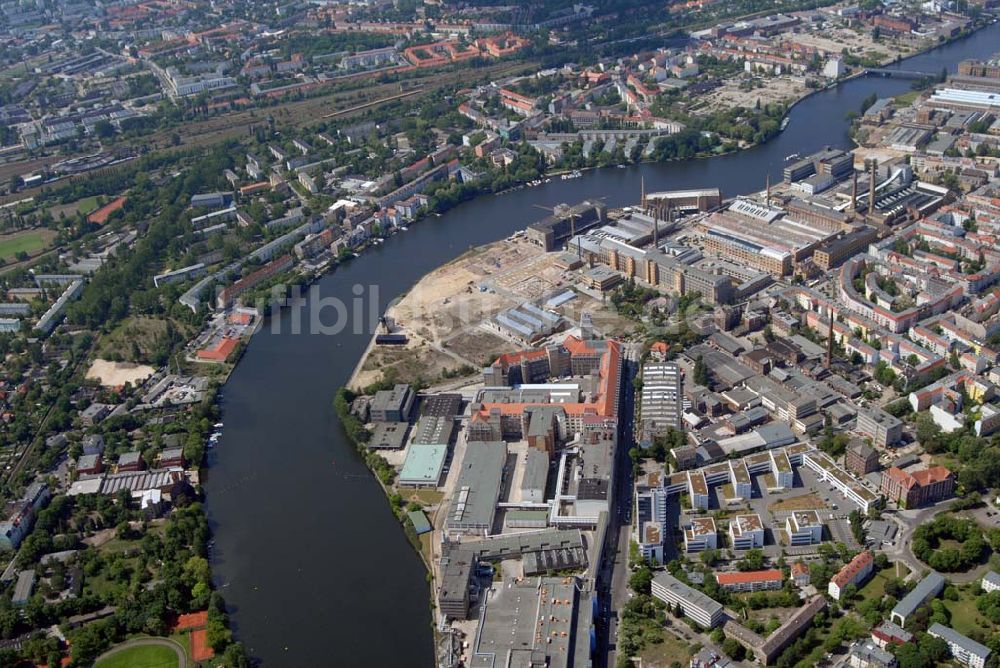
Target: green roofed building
423	464
419	521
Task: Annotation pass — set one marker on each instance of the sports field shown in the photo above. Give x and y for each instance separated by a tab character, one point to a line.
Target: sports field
149	656
29	241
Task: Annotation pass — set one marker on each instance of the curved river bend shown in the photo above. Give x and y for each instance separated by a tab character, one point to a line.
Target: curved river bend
314	566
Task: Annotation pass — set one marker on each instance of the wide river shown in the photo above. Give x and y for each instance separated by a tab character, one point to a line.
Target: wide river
313	565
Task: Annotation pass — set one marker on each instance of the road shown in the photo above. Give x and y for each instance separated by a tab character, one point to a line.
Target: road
612	577
148	642
909	520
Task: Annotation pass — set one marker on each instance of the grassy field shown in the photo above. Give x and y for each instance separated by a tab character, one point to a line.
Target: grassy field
84	206
908	97
662	654
425	546
875	588
428	497
153	656
965	618
29	241
136	339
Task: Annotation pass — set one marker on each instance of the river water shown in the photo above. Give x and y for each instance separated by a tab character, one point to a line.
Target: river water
313	565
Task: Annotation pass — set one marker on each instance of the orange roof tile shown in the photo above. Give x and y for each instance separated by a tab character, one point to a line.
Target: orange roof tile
743	577
221	351
847	574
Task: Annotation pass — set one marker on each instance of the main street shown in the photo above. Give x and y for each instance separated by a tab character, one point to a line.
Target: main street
612	577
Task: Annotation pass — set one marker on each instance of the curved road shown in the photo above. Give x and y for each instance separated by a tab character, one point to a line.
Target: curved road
146	642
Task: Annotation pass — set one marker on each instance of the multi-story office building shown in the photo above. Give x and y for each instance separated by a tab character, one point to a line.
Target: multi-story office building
746	532
700	534
651	542
804	528
884	429
698	490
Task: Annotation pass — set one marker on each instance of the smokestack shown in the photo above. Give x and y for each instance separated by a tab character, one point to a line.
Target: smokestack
854	190
767	189
642	190
829	343
656	232
871	188
572	231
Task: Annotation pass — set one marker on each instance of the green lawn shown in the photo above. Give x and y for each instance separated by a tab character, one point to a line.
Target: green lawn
87	204
875	588
964	616
27	242
152	656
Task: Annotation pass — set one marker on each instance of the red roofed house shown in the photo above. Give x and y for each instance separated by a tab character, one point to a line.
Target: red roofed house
854	573
912	490
750	580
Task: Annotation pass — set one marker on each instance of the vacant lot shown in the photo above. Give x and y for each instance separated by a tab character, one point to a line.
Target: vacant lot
29	241
115	374
662	654
811	501
140	339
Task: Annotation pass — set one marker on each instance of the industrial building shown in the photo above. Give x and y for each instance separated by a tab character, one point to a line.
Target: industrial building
392	405
553	231
423	465
761	237
544	621
662	400
525	324
473	503
861	459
